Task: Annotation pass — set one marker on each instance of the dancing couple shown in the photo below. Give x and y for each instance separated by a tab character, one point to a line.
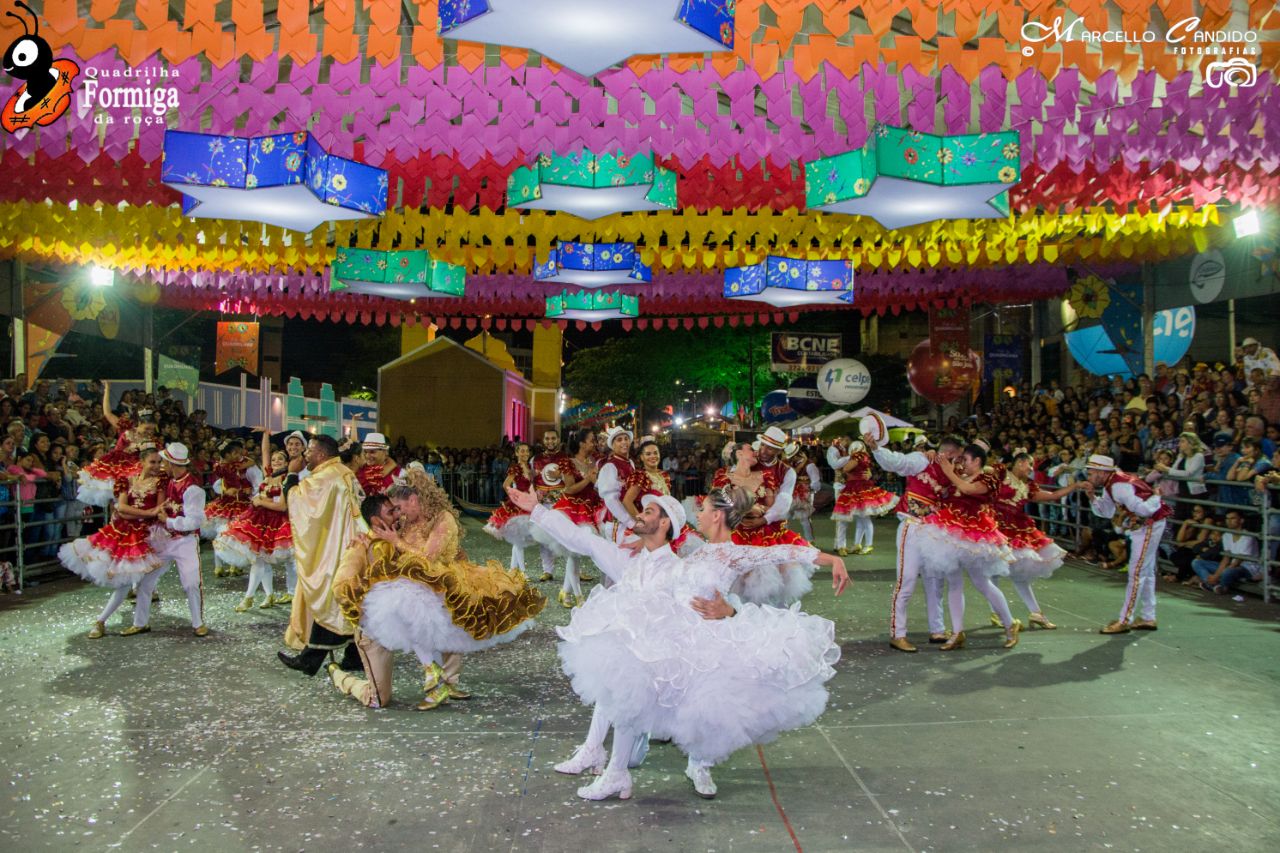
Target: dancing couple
670	650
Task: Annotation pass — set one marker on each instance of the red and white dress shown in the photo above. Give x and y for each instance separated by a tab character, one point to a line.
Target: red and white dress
233	501
802	496
659	483
258	533
1035	555
508	522
791	582
99	482
861	497
963	533
122	552
585	508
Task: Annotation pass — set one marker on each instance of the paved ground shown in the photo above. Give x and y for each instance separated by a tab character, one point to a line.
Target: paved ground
1073	741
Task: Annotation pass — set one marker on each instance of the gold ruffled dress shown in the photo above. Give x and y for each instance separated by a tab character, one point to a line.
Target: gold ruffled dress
489	603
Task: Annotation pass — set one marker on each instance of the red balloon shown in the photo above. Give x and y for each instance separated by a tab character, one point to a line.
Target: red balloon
943	376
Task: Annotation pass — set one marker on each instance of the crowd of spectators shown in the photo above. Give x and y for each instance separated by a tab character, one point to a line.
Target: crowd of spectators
52	429
1207	433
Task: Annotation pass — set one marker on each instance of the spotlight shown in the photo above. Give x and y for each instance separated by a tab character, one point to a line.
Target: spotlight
1247	224
101	277
679	422
711	410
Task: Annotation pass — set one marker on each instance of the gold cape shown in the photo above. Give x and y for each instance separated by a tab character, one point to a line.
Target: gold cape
484	601
324	511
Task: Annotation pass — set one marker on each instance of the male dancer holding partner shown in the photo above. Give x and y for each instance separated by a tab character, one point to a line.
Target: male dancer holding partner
181	514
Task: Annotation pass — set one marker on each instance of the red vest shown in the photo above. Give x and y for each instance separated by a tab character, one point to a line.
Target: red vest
173	503
373	481
620	463
1142	490
924	491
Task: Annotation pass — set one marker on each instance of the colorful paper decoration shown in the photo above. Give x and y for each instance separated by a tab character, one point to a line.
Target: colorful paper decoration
593	265
412	274
902	177
590	186
784	282
588	36
285	179
592	305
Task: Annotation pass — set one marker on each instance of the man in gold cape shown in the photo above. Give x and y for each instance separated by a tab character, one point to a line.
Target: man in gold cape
324	512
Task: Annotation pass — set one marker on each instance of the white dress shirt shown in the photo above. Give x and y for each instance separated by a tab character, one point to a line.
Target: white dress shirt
632	570
192	512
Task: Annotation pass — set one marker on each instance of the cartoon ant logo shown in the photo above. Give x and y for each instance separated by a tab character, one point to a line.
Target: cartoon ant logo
46	94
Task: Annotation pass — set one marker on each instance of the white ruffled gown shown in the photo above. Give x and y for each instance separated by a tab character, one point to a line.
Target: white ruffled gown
649	663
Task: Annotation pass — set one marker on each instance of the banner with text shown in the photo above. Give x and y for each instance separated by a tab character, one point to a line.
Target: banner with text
237	347
949	329
805	352
1003	360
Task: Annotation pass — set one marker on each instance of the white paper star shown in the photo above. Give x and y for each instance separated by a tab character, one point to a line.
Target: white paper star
587	36
293	206
899	203
592	203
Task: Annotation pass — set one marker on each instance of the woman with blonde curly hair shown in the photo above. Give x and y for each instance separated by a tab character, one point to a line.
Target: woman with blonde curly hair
411	588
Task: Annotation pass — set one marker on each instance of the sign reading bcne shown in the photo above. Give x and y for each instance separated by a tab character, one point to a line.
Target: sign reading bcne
804	352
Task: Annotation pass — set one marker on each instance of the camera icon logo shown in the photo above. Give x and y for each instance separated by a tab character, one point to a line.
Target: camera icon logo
1236	71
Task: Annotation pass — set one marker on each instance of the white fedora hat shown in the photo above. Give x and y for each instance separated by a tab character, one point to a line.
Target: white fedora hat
614	433
671	507
551	475
374	441
773	437
1098	462
176	454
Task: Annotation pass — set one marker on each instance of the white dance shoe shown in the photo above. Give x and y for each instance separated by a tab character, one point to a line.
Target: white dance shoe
700	776
584	758
612	783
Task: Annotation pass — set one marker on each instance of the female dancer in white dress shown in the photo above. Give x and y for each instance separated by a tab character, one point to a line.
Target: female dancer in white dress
662	651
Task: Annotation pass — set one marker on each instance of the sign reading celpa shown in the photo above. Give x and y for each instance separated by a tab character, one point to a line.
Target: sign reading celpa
804	352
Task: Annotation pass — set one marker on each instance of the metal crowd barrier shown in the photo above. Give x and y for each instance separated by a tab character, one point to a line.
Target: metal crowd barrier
1075	516
31	531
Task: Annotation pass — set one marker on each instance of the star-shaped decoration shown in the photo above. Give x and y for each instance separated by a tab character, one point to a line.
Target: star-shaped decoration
788	282
903	177
411	274
593	265
900	203
592	306
588	36
293	207
589	185
286	179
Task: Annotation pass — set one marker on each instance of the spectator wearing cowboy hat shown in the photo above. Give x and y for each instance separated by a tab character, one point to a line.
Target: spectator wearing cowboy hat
1255	356
379	472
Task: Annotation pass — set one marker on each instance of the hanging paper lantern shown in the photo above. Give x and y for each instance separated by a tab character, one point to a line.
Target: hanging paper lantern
902	177
592	305
593	265
588	36
943	376
844	381
589	186
784	282
410	274
285	179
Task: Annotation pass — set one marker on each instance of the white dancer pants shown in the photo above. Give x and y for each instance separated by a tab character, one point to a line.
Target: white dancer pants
548	558
517	557
1140	594
185	552
290	575
908	540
